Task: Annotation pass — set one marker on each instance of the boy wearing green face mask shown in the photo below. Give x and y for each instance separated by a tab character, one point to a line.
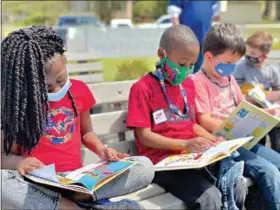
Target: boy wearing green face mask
162	113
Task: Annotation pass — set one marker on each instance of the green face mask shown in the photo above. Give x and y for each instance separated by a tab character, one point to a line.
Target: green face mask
173	73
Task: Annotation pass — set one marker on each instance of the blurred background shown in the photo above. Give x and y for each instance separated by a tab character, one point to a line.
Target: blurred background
126	33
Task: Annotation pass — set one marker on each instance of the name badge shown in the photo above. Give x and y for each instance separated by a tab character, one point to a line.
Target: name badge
159	116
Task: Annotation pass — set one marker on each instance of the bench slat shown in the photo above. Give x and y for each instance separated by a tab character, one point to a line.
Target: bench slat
111	92
150	191
274	55
89	78
110	122
165	201
84	67
82	56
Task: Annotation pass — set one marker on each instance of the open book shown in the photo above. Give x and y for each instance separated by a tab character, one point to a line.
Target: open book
199	160
259	97
247	120
84	180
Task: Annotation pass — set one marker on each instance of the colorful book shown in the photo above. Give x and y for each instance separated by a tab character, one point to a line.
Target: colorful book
247	120
260	98
85	180
199	160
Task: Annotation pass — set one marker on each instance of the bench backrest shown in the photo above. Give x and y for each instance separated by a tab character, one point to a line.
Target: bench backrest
274	58
112	122
85	66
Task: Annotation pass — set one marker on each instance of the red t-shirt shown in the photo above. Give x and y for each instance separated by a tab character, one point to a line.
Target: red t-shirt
61	143
146	97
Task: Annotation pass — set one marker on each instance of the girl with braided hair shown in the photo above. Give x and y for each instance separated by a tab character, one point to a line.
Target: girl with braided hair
45	119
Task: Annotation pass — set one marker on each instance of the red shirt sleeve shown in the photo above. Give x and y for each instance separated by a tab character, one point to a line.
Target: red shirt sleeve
87	97
138	107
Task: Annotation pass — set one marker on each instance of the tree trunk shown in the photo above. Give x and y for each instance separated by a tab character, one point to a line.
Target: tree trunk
278	10
269	10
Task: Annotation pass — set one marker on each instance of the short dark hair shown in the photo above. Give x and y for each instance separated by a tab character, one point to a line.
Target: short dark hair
222	37
177	36
260	40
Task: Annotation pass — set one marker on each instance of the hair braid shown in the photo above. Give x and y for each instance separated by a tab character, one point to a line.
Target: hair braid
24	104
73	103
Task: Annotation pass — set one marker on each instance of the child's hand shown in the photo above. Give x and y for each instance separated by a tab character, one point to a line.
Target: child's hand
198	144
111	154
29	164
220	139
270	111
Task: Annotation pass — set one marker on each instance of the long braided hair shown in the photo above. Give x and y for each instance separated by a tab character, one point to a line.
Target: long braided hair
24	99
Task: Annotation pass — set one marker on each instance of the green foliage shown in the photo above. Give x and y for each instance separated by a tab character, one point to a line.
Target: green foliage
105	9
129	70
34	12
146	10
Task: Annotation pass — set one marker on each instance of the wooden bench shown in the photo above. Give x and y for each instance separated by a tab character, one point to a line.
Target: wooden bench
274	58
86	67
153	196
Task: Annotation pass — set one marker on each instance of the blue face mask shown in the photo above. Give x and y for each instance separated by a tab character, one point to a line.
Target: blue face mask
225	69
57	96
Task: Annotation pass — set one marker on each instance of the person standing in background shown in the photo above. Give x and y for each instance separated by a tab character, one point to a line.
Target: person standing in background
198	15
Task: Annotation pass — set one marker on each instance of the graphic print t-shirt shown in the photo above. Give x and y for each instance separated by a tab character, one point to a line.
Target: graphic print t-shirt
148	108
61	143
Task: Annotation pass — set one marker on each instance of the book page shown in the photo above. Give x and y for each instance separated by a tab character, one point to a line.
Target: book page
198	160
259	96
47	173
90	176
247	120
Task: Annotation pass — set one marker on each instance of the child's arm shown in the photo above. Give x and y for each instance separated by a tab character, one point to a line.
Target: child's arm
209	123
200	131
93	143
15	162
273	96
10	161
150	139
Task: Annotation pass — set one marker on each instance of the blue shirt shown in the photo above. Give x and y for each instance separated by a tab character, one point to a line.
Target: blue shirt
197	15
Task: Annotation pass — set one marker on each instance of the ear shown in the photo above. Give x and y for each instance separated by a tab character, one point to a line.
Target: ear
161	54
208	55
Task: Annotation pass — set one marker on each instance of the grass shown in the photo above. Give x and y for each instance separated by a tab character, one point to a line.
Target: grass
111	65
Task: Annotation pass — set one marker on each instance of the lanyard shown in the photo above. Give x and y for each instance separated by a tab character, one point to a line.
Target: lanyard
173	107
223	86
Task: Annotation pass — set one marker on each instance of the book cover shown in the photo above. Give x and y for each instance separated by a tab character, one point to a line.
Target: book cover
199	160
247	120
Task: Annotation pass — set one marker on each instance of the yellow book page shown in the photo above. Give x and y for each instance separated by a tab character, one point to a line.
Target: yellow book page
247	120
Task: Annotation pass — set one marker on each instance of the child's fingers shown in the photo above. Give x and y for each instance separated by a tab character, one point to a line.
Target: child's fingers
21	171
122	155
111	155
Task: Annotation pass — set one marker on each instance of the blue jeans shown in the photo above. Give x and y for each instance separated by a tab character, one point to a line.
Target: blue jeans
262	164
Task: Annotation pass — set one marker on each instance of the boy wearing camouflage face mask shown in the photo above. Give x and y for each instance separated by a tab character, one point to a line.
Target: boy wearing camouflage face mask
254	70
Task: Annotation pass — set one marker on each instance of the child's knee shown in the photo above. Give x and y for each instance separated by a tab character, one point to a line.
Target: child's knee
144	168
